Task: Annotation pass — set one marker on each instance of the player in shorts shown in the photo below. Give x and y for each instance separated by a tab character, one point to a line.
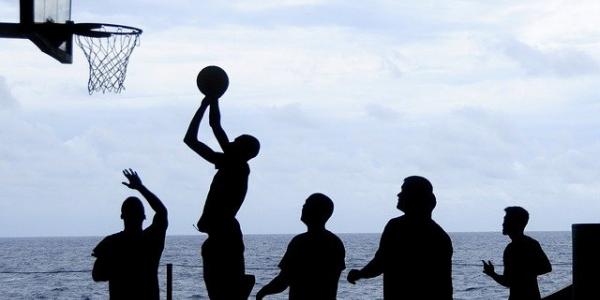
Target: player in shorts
223	250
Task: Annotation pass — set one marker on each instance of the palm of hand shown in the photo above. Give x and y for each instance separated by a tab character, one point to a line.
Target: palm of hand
488	268
134	180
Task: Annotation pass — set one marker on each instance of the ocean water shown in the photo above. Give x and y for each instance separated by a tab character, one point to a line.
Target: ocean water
60	268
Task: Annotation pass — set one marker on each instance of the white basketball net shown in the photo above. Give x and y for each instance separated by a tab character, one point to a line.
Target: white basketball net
108	57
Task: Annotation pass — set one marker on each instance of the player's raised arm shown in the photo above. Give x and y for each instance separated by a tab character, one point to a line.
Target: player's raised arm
191	136
215	123
159	208
212	81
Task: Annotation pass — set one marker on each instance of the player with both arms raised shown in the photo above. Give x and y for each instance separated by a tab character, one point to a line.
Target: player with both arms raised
223	250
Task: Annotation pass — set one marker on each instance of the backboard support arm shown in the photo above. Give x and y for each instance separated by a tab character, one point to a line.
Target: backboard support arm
13	30
46	36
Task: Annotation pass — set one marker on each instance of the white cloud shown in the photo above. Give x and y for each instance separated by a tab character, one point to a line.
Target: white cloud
560	23
564	62
251	6
7	100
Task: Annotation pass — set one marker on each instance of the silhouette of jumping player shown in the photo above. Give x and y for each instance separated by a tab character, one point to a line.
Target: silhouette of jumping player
314	260
415	253
129	260
524	259
223	250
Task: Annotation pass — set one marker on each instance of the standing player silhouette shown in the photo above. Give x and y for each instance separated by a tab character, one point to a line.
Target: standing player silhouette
415	253
223	250
129	259
314	260
524	259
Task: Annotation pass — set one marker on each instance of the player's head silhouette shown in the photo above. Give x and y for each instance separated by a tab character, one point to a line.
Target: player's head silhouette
416	196
132	213
317	209
245	146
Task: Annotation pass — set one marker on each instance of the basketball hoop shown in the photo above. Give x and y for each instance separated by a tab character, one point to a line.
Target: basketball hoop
107	48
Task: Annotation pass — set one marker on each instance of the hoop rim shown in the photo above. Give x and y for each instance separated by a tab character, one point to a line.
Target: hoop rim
89	29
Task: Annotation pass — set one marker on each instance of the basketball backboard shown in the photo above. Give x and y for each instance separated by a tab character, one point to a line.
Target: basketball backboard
42	15
55	11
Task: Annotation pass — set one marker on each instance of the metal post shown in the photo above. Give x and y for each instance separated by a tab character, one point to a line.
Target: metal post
586	261
26	11
169	281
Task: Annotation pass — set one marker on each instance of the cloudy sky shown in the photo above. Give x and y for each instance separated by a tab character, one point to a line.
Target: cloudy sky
495	102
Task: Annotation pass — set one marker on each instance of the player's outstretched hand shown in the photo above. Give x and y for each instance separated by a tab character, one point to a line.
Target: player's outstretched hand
135	182
488	268
353	276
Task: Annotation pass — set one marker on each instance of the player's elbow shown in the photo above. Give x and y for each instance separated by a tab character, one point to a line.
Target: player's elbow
98	276
280	283
100	271
190	141
504	282
165	218
161	218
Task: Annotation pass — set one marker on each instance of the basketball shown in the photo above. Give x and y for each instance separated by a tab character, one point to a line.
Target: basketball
212	81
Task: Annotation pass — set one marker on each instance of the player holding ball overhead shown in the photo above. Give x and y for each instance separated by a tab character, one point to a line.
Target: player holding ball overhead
223	250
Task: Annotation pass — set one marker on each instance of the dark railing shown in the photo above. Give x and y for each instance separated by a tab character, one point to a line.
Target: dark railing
169	283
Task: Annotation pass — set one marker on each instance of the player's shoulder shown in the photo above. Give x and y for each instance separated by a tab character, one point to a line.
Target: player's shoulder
107	243
333	237
156	229
523	244
113	238
396	223
337	243
439	229
300	238
230	161
531	241
325	237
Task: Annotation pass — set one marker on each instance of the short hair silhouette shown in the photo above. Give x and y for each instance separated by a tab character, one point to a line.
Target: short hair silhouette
318	208
518	215
416	196
247	145
132	208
